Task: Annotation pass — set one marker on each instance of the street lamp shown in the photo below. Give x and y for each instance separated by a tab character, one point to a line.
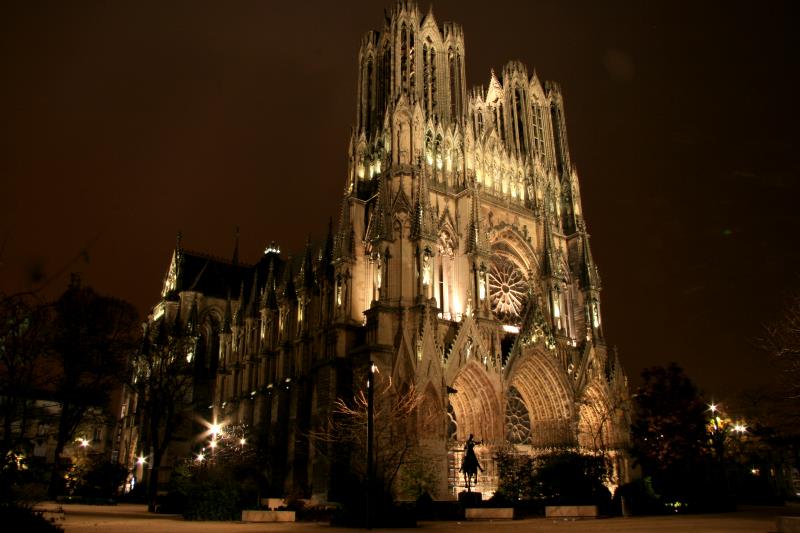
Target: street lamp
370	433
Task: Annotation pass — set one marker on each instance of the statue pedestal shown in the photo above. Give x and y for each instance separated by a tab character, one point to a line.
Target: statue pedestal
470	499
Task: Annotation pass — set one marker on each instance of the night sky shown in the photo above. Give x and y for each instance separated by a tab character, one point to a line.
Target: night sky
122	123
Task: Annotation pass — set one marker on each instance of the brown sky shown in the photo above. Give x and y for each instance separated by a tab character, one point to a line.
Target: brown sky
124	122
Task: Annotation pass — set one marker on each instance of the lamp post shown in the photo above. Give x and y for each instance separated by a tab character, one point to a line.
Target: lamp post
370	432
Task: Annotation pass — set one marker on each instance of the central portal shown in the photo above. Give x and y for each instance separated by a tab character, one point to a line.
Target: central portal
474	409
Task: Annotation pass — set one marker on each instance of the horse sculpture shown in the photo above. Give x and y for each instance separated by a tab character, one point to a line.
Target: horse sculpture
470	464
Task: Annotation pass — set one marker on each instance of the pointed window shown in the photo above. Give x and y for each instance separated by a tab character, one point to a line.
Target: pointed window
412	65
538	128
519	109
425	80
501	123
455	84
370	99
403	57
433	80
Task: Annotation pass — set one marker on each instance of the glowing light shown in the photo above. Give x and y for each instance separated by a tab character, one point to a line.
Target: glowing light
242	441
740	428
141	460
508	328
456	308
84	442
216	429
200	457
713	407
374	369
213	444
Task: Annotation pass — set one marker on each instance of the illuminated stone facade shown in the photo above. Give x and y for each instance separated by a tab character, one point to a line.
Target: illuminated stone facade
461	265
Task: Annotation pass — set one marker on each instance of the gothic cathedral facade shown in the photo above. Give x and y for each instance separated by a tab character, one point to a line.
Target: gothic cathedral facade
461	267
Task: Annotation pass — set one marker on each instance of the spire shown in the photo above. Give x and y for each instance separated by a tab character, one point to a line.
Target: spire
307	267
590	274
377	229
343	246
477	240
423	226
289	291
270	299
534	325
235	259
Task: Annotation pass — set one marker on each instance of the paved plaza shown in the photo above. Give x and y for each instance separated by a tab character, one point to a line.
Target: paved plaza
127	518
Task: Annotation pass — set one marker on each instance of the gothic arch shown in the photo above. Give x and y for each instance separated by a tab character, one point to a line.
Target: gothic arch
476	405
208	329
506	239
595	418
546	393
512	271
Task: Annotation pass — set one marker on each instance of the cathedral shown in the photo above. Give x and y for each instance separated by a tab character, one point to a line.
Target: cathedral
460	267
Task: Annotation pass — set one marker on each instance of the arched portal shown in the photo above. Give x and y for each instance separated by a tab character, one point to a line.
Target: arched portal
595	420
476	405
546	394
474	408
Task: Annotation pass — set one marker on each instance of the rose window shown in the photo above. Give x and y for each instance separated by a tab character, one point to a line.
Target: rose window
518	421
508	290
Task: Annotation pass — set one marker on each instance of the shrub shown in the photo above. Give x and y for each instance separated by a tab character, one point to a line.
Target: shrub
557	478
214	491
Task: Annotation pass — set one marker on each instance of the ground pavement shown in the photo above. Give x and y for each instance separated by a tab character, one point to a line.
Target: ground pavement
127	518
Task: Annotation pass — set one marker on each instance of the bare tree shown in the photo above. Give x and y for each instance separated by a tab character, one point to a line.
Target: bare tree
161	375
396	412
782	341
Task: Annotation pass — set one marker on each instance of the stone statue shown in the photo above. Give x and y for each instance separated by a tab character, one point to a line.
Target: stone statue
470	464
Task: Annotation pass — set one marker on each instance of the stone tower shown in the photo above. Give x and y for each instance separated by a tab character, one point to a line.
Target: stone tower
463	251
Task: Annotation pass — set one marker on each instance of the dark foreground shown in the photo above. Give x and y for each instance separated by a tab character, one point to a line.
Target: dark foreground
128	518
